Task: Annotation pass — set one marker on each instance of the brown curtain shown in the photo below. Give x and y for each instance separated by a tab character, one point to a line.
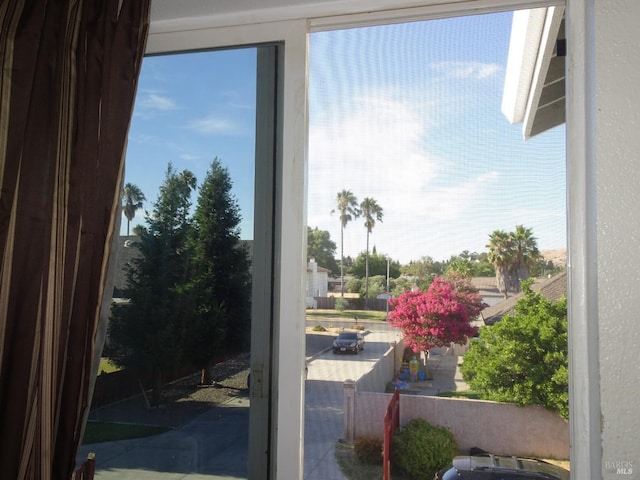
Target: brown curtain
68	77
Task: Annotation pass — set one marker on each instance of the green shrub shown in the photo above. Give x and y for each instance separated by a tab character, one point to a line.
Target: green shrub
421	449
523	358
369	449
341	304
319	328
359	327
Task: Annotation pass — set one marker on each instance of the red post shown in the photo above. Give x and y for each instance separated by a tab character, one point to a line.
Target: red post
87	470
391	424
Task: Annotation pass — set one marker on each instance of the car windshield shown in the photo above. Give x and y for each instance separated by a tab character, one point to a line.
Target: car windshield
348	336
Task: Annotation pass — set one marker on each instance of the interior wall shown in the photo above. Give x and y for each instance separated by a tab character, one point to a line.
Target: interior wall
617	153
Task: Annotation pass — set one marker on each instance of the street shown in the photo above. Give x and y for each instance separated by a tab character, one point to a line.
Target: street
324	402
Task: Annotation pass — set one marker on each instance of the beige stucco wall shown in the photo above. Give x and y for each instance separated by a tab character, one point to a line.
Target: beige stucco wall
500	428
383	370
496	427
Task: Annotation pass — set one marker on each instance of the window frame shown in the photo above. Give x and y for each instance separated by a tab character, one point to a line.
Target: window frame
290	227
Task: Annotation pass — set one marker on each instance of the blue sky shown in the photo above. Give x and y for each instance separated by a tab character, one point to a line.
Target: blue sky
190	109
407	114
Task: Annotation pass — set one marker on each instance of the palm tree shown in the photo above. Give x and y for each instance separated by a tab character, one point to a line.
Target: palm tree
525	255
348	208
500	256
132	199
371	212
513	255
188	179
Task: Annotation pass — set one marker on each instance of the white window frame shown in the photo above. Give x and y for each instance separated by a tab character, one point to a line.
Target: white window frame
288	397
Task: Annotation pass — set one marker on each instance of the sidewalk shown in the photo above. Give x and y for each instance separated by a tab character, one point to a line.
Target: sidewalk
444	376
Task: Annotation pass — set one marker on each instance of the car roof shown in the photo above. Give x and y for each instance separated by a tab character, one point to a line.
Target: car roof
491	462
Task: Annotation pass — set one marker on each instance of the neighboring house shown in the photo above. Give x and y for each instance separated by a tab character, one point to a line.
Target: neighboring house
126	252
552	289
487	289
317	283
335	284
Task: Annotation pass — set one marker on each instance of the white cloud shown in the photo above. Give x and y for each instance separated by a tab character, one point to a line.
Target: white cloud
381	147
153	101
377	148
381	140
142	138
476	70
455	200
212	125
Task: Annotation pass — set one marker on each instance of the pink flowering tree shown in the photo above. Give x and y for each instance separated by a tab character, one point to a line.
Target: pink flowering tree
438	317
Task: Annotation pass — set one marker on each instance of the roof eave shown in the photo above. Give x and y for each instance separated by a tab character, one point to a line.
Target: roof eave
534	80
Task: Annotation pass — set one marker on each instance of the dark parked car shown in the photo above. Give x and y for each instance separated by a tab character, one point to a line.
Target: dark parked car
348	342
498	467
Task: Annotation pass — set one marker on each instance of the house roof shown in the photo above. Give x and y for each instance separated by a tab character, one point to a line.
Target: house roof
485	285
552	289
126	252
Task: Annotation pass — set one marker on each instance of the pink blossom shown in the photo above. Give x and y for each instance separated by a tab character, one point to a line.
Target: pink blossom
438	317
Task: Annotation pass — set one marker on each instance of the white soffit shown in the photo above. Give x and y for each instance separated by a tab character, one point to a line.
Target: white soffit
534	89
526	31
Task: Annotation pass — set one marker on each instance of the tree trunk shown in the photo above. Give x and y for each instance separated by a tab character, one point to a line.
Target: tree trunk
341	261
366	275
426	362
502	280
205	379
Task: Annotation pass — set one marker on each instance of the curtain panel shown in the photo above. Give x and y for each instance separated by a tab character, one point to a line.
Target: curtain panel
69	72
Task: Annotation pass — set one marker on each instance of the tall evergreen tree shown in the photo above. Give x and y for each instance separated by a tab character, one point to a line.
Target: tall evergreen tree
220	274
146	332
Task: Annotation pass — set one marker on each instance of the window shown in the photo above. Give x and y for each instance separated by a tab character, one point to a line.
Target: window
409	115
205	120
191	31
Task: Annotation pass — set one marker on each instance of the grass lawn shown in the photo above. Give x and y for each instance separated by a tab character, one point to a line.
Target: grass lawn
369	315
97	432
